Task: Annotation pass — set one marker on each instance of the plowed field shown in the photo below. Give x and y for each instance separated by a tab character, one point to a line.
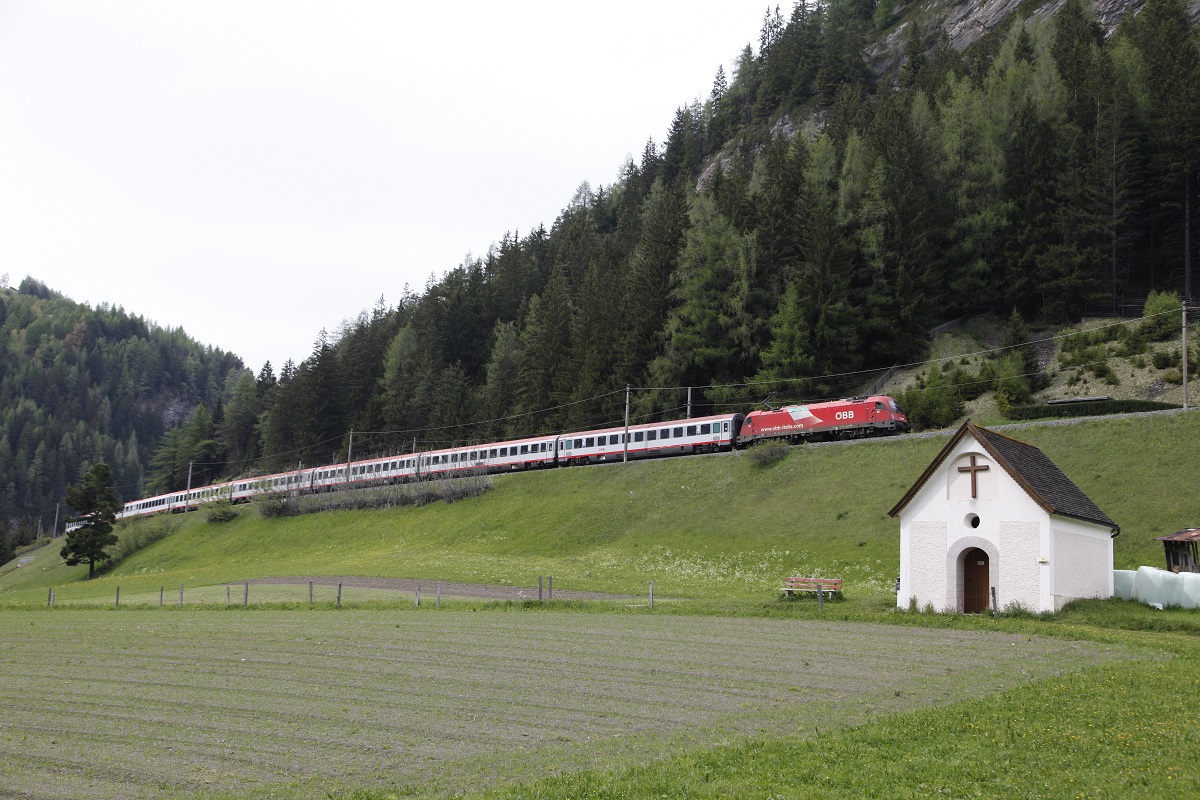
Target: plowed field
161	704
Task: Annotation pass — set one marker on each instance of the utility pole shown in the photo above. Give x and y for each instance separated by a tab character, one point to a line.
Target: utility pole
188	491
1185	358
689	413
54	531
625	454
349	455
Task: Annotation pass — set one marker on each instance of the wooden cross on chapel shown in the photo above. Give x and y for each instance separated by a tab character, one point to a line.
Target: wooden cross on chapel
974	469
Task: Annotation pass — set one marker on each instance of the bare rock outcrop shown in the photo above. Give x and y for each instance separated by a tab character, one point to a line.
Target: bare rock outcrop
967	22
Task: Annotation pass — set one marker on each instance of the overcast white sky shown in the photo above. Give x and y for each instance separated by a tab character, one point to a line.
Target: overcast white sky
254	171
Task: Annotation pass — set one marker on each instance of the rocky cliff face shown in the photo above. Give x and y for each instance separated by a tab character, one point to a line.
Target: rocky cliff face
970	20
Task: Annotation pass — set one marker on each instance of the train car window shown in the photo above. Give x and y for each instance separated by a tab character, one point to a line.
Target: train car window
705	429
638	436
691	430
678	434
612	439
454	458
503	452
651	436
524	449
590	441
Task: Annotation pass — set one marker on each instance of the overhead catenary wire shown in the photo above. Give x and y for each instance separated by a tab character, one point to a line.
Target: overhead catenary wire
843	378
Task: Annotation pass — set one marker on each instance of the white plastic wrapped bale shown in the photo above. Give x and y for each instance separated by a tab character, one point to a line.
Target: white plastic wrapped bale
1189	589
1123	583
1155	586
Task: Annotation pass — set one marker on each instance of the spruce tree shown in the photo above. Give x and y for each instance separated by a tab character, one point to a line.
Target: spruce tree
96	506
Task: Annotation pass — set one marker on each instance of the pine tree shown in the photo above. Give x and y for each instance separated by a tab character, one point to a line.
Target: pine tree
96	505
1171	54
649	278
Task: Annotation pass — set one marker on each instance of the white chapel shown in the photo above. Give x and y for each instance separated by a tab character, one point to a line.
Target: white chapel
992	514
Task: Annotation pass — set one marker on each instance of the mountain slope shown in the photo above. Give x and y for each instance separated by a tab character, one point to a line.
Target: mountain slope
80	385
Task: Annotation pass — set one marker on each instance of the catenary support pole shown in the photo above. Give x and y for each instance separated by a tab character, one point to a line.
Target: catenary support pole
188	492
1185	358
689	408
625	454
349	455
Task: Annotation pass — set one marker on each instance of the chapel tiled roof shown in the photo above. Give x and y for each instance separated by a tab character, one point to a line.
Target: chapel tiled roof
1041	479
1045	478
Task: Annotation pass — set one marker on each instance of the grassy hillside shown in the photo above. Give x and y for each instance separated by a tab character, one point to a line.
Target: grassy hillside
720	527
1092	359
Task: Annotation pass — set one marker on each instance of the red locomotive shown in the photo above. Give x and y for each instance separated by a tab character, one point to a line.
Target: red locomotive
838	419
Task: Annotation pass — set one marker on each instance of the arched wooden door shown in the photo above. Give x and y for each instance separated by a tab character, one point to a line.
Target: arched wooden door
976	582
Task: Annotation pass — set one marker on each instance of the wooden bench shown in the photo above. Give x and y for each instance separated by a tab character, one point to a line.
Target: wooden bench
825	586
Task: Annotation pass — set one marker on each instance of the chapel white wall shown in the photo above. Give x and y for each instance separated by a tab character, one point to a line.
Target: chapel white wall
1082	558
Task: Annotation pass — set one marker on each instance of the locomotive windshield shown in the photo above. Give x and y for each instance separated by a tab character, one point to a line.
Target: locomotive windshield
895	406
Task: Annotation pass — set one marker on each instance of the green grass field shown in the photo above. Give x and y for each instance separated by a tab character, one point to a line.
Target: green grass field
103	704
721	691
720	527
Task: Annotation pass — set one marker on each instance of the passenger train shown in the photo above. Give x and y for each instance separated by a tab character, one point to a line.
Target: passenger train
851	418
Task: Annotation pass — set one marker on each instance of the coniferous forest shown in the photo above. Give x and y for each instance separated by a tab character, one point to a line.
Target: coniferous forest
810	220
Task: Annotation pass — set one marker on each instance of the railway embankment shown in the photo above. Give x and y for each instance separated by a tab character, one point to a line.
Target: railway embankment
723	528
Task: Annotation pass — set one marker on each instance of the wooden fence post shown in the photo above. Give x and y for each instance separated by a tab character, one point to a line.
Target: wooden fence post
439	595
181	595
118	597
820	599
418	596
246	595
160	595
339	596
310	593
652	594
539	588
49	597
227	594
995	608
550	589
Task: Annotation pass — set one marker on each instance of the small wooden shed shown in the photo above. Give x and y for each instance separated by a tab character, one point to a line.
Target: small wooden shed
1182	550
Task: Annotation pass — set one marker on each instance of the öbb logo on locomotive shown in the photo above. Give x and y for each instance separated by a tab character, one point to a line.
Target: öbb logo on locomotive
855	417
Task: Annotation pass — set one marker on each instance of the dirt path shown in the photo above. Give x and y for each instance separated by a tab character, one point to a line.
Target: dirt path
484	591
